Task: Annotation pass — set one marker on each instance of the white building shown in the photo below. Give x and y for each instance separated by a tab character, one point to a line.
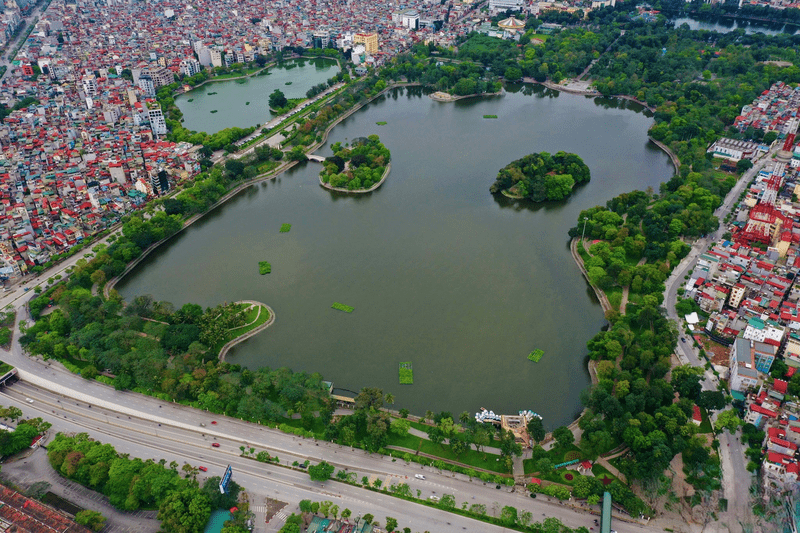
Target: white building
157	122
733	149
411	20
742	366
505	5
147	86
190	67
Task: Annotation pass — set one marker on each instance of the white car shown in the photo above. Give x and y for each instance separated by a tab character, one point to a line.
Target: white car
28	400
419	476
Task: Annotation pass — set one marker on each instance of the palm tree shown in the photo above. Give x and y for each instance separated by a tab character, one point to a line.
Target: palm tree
389	398
429	415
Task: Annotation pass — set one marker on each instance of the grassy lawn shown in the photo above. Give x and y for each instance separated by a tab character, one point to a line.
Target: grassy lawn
539	36
601	472
471	457
705	424
5	367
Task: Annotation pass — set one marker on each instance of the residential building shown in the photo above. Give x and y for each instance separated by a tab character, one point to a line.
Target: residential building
743	373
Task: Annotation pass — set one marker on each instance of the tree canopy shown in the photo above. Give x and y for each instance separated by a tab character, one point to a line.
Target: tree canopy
541	176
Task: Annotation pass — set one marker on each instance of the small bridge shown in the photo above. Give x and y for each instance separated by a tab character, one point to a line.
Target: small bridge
316	158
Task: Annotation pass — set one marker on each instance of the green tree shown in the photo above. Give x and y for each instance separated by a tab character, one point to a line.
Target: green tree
91	519
536	429
321	471
728	420
184	511
277	99
391	524
564	436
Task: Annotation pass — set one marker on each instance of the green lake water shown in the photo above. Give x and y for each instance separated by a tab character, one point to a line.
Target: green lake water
440	272
232	96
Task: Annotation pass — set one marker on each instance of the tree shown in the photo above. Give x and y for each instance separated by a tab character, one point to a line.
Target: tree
91	519
184	511
321	471
508	516
728	420
391	524
368	518
217	499
563	436
711	400
536	429
743	165
277	99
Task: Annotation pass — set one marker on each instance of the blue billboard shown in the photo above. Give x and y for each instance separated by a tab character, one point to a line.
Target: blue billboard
223	484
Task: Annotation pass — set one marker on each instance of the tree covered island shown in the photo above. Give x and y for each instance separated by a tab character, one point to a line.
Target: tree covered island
542	176
356	167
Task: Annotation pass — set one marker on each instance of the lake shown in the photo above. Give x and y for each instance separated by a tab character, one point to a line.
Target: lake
231	100
441	273
725	25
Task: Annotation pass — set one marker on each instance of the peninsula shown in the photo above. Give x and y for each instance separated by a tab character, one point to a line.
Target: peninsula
359	167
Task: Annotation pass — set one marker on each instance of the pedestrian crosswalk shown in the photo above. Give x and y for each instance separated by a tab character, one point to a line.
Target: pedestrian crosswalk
281	516
260	509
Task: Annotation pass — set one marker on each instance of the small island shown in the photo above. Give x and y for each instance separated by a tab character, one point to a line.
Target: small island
541	177
359	167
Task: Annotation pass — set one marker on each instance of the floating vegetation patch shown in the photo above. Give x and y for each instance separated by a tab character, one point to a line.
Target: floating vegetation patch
536	355
342	307
381	123
190	100
213	110
285	228
406	374
241	82
211	94
264	267
288	83
489	116
247	103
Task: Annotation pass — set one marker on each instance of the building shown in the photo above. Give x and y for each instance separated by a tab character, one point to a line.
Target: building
162	76
157	122
410	20
321	38
190	67
496	6
733	149
147	85
369	40
743	373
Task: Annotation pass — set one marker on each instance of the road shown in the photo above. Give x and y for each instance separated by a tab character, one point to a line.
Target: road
186	441
104	412
736	479
32	18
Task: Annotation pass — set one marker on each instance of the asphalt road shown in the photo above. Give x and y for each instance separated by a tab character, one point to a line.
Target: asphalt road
142	437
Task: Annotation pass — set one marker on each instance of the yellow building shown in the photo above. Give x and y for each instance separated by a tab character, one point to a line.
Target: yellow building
370	41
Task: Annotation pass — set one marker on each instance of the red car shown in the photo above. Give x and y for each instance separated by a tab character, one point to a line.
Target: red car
214	422
202	469
215	444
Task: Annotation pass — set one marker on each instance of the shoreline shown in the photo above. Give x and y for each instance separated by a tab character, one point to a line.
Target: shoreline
358	191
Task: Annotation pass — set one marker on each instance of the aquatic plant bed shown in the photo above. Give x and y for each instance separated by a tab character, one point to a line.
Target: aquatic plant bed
342	307
381	123
211	94
264	267
285	228
288	83
247	103
213	110
489	116
406	374
190	100
536	355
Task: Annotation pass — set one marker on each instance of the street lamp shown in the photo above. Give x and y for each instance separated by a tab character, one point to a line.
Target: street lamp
584	228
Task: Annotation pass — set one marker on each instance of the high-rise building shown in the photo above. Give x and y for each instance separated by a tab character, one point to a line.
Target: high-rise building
157	122
369	40
190	67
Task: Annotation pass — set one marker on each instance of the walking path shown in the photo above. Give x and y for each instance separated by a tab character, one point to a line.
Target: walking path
233	342
601	296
